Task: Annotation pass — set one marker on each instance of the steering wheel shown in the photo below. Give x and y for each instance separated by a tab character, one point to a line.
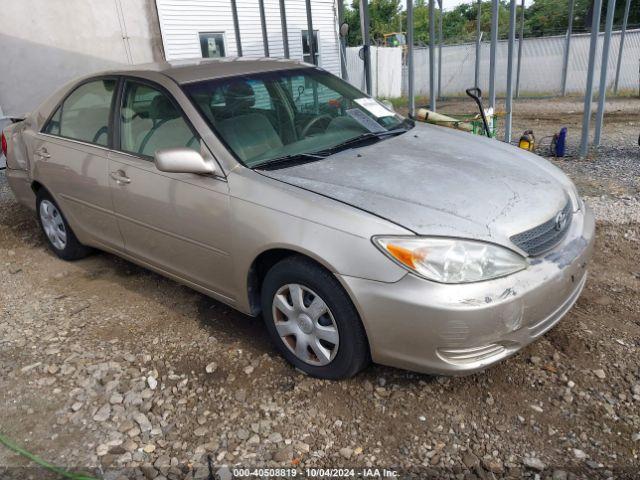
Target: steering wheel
315	120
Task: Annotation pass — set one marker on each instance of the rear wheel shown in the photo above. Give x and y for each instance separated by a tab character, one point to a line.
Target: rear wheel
312	321
60	238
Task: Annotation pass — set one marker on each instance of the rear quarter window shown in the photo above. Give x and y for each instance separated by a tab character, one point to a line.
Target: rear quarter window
84	114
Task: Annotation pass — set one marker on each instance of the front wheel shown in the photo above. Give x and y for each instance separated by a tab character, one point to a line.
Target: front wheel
312	321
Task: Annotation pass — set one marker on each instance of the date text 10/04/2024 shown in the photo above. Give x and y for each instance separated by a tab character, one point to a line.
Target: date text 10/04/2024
315	472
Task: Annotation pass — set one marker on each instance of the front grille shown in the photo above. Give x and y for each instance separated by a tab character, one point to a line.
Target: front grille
543	237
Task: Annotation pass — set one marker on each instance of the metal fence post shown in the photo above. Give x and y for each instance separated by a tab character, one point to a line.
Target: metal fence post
621	47
440	40
492	55
285	31
520	42
432	58
478	39
588	95
509	101
236	27
312	38
263	25
410	72
567	49
364	27
343	46
604	67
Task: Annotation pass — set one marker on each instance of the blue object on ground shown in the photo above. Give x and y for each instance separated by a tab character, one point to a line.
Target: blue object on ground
561	141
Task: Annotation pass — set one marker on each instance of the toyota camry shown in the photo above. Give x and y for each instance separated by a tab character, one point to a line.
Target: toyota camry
283	191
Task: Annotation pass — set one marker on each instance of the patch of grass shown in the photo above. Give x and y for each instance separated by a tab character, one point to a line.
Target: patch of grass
43	463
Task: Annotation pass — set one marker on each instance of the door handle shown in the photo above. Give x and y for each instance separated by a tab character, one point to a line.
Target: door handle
120	177
42	152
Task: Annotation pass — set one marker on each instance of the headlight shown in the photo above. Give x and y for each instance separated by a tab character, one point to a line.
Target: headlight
450	260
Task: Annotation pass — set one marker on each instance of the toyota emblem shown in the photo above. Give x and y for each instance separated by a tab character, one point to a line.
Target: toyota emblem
561	221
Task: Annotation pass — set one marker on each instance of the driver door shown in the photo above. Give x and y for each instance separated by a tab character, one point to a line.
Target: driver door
176	222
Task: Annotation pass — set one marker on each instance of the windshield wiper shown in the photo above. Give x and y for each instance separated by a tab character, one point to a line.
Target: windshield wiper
313	156
293	158
363	138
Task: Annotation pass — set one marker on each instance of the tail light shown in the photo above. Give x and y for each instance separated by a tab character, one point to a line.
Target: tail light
5	147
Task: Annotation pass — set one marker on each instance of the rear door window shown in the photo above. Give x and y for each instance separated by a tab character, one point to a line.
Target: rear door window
84	114
150	120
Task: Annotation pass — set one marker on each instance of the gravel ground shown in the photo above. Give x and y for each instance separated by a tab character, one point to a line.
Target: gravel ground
113	370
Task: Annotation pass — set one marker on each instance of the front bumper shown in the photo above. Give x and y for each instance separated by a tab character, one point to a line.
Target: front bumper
458	329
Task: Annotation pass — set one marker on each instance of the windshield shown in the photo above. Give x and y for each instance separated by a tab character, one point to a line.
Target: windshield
267	116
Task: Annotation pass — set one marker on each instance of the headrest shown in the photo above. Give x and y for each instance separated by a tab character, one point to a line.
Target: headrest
239	95
163	109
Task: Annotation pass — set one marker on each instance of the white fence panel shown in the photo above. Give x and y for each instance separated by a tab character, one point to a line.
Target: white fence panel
541	71
386	71
355	68
385	62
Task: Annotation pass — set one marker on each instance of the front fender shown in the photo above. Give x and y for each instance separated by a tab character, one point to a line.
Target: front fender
268	214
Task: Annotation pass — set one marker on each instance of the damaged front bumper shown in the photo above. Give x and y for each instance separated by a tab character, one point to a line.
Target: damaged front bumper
457	329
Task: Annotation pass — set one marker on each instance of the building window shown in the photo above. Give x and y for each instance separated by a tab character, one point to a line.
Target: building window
212	44
306	51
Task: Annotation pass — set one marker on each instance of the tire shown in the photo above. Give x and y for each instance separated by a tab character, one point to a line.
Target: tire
292	326
57	232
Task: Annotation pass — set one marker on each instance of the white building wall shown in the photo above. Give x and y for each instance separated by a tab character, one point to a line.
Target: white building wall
46	43
182	20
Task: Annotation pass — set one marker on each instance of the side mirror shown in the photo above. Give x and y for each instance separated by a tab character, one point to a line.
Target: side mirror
182	160
344	30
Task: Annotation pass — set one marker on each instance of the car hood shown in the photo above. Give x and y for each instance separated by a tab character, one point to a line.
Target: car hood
438	181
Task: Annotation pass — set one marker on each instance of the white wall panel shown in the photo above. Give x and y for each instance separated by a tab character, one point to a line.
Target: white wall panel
541	66
182	20
45	44
385	65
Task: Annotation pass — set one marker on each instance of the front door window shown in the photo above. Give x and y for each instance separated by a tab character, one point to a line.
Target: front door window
150	121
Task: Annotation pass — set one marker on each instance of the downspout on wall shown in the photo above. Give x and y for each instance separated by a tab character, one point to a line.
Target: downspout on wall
157	47
3	123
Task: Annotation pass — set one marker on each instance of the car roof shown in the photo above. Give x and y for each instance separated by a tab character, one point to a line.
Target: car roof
198	69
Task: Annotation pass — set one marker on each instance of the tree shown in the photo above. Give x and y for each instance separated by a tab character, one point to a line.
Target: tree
384	17
352	18
545	16
542	18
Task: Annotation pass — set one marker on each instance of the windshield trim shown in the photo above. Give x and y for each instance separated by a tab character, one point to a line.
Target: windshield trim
251	75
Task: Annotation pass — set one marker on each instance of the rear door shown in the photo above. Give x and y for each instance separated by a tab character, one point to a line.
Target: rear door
71	161
177	222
